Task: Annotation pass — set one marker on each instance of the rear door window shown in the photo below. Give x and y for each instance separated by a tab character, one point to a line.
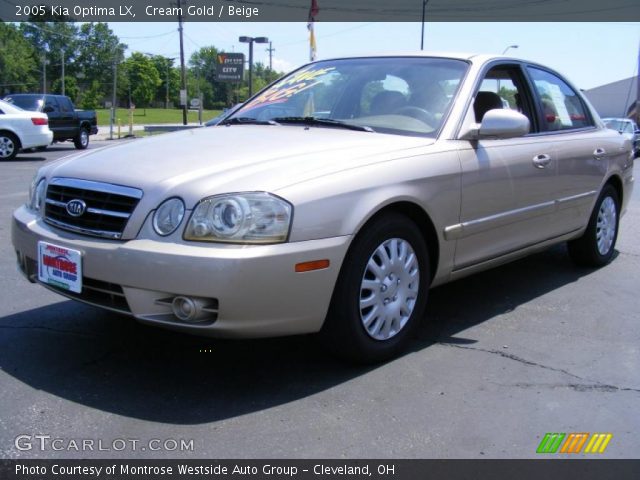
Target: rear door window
561	107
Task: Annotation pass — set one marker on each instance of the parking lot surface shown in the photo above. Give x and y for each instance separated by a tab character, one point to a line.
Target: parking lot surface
506	356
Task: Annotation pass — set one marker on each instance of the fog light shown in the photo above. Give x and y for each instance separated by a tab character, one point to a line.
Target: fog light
186	309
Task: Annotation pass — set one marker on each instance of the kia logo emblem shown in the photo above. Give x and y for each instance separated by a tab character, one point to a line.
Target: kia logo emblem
76	208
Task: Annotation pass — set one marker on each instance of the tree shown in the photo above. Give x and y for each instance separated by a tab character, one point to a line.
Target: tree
143	79
166	70
98	49
203	67
91	98
71	88
18	68
53	41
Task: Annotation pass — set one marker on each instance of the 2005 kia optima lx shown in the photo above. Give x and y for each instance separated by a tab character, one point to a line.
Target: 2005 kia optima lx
332	200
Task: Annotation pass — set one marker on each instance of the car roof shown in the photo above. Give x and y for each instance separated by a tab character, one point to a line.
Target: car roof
432	54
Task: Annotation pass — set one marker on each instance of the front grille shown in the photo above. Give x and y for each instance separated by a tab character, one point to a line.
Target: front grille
106	210
99	293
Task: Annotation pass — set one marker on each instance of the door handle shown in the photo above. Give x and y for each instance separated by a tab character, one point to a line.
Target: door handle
599	153
541	161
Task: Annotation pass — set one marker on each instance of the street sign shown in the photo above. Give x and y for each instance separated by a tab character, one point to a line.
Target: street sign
194	103
183	97
230	67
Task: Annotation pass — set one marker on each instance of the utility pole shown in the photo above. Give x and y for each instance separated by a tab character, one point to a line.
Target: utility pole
62	55
271	50
183	92
44	74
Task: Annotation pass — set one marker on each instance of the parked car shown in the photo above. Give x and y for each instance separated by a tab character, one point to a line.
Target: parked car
332	201
627	128
65	121
21	130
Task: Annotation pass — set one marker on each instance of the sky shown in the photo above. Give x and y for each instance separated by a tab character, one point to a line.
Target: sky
588	54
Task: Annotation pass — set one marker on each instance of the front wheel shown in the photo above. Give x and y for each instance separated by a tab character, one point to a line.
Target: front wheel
381	292
596	246
82	140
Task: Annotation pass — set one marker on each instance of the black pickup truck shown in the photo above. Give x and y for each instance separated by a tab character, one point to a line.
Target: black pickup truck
65	121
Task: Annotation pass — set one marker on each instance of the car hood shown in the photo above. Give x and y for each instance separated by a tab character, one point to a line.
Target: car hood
206	161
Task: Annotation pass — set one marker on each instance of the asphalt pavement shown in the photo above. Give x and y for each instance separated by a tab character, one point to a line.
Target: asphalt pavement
508	355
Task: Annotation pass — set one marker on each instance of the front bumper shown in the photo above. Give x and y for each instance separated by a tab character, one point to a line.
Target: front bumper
256	289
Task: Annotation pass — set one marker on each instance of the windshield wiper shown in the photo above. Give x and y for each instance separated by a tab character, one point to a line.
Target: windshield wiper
246	121
324	121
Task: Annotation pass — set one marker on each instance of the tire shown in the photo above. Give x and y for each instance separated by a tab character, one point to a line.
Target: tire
82	140
9	146
369	325
595	248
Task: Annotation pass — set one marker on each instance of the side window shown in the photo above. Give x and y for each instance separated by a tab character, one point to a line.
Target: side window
65	104
503	88
561	107
51	105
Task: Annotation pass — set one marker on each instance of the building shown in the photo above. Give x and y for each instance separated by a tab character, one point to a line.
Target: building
615	99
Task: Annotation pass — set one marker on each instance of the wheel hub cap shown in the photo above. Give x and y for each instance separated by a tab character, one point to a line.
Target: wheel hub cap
606	226
389	289
6	147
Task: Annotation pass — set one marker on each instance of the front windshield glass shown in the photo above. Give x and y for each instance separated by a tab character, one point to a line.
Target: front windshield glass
26	102
402	95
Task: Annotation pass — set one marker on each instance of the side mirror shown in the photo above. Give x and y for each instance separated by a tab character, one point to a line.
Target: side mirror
501	123
498	123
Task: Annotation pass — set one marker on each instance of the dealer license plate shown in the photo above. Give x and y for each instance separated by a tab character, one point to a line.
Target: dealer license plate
60	267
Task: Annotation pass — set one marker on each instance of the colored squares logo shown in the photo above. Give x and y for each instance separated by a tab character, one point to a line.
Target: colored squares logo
598	443
574	443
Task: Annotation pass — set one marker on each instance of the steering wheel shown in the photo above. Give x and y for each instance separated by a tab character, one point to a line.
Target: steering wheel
419	114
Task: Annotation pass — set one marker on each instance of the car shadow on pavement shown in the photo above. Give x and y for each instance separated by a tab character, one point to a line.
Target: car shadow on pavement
111	363
28	157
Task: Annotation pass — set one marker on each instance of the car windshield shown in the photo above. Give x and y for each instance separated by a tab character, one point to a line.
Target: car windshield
8	108
400	95
25	102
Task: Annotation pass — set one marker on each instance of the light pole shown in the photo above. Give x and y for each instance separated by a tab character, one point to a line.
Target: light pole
44	74
510	46
183	74
62	77
166	101
250	41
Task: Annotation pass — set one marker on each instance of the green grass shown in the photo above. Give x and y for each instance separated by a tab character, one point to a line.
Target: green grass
153	116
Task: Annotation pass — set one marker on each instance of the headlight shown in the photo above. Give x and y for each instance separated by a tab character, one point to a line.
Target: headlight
37	194
168	216
240	218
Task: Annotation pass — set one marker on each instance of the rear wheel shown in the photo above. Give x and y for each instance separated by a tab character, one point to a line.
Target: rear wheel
381	293
596	246
82	140
9	146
